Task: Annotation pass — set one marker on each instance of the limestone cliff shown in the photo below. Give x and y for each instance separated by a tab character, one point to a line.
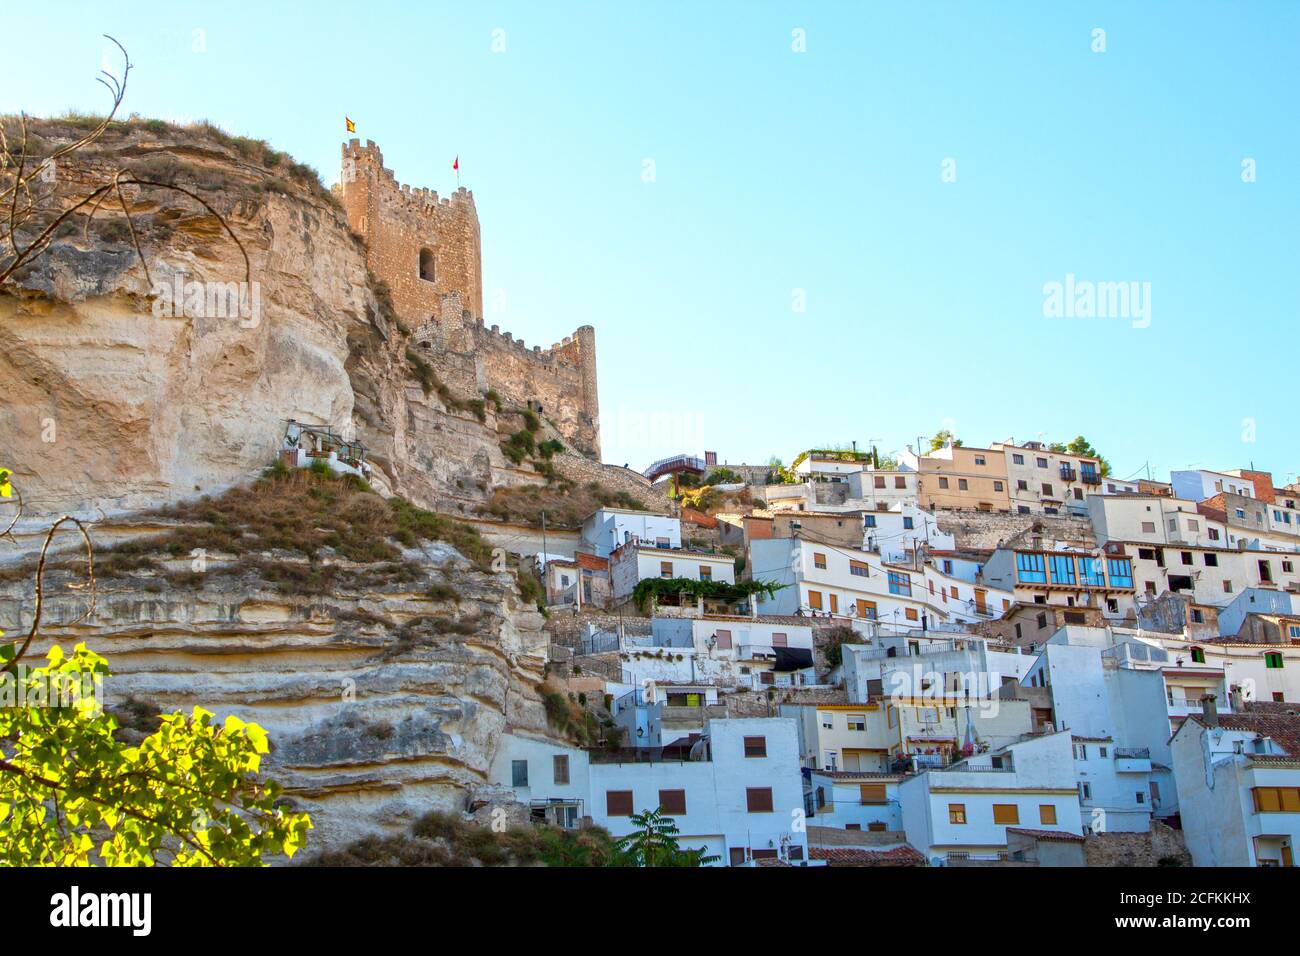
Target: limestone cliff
113	403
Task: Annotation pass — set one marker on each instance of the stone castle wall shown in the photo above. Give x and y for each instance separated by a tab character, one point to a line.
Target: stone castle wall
989	529
404	228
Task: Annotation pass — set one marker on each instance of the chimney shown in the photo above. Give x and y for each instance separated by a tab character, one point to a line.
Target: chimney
1235	700
1210	710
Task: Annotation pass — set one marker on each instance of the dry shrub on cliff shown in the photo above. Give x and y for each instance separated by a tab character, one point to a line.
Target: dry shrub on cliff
566	504
300	512
445	839
570	718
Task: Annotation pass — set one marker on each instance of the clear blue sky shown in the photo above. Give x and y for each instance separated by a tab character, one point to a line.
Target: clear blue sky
819	171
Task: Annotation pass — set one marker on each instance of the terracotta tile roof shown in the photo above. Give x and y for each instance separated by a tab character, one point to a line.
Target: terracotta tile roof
903	855
1059	836
592	562
1272	707
1282	727
857	774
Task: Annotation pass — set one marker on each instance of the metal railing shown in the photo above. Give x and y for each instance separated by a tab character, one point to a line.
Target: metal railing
1132	753
958	768
647	755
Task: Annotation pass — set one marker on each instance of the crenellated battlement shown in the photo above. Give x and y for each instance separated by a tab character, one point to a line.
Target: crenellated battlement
426	247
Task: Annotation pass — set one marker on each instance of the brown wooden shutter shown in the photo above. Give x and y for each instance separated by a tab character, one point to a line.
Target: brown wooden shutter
758	799
618	803
672	801
872	792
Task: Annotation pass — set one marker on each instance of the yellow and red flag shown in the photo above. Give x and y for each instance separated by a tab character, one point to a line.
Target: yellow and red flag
352	127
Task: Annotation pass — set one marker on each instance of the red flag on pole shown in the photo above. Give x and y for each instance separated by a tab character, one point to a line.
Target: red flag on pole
455	164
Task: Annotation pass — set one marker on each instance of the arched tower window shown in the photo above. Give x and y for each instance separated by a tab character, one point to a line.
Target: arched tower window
426	265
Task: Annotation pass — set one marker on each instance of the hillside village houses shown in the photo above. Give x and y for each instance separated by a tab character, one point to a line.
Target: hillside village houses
982	656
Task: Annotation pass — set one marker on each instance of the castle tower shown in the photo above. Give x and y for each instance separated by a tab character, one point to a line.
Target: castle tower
427	250
423	246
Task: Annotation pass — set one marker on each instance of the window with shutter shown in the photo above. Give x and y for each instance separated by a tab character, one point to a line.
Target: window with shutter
618	803
758	799
1007	814
672	802
872	793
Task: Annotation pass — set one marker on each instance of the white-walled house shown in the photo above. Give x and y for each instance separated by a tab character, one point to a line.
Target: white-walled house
824	580
632	563
964	811
1199	484
958	565
1239	787
897	533
667	713
740	652
965	665
1257	672
854	800
1212	576
876	489
830	467
608	528
552	780
1153	519
903	733
738	794
1256	601
1114	707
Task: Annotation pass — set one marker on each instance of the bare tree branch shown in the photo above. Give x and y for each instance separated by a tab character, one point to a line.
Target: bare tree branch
12	664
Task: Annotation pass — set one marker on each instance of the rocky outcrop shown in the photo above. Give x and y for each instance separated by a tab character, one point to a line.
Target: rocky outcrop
382	703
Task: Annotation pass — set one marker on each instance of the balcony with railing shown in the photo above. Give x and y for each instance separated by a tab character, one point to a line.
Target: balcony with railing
1068	473
1089	475
1132	760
